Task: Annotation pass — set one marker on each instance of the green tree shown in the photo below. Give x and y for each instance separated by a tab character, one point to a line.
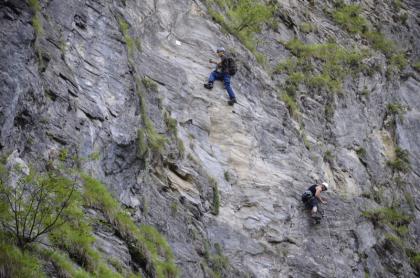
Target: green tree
32	205
249	15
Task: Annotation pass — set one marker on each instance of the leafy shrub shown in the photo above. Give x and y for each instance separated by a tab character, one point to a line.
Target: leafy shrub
401	163
416	66
291	104
288	66
96	195
307	27
216	196
379	42
149	245
17	263
154	140
395	109
392	241
141	143
33	206
388	216
36	19
399	61
361	153
349	17
64	266
149	84
337	62
123	25
414	258
243	19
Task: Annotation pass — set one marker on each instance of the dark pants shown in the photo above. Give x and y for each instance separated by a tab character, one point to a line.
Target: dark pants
215	75
312	202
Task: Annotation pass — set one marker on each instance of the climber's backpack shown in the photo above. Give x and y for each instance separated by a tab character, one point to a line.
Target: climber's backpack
231	66
306	196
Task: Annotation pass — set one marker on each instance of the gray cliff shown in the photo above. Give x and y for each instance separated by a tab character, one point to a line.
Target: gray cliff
99	71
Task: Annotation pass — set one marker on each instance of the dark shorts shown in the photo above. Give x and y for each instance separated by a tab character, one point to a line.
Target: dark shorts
313	202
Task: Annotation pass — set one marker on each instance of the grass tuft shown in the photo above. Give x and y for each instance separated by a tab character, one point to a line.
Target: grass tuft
124	29
401	163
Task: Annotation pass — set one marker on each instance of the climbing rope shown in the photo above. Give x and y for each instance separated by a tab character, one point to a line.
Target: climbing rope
329	236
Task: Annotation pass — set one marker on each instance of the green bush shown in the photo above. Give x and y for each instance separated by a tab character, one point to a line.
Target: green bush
288	66
34	205
398	61
249	15
18	264
401	163
218	262
154	140
64	266
337	62
392	241
361	153
171	123
416	66
307	27
149	84
160	250
397	4
181	147
403	18
243	19
96	195
349	17
395	109
324	81
291	104
36	19
388	216
124	29
216	196
415	259
141	144
379	42
147	240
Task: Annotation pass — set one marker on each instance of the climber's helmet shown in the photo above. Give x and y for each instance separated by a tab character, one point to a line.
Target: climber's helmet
220	49
325	186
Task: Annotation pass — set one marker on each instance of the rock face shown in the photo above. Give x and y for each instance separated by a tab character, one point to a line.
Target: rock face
94	73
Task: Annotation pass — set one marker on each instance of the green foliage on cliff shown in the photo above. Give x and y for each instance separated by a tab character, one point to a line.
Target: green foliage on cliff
149	242
124	29
334	63
307	27
401	162
243	19
155	141
390	217
71	241
36	19
349	17
33	205
216	195
17	263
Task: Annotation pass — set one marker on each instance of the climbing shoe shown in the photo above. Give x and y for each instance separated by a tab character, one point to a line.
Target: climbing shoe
208	86
316	217
232	101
